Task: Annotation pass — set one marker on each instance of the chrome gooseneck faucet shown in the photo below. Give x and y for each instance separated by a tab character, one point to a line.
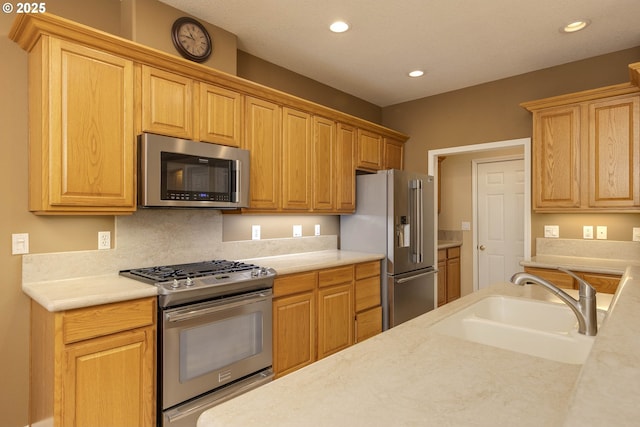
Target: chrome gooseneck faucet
584	308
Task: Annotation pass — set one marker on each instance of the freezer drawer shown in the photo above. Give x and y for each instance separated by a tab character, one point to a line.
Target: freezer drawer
410	295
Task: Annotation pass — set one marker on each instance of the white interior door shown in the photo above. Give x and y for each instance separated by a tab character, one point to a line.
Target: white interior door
500	220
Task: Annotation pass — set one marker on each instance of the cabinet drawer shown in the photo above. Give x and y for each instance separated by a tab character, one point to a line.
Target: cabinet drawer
367	269
294	284
367	293
335	276
96	321
368	323
442	255
453	252
558	278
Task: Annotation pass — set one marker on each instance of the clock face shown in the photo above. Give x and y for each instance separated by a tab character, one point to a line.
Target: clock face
191	39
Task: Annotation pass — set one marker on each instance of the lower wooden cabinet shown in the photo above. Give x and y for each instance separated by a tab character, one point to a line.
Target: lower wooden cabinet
321	312
94	366
448	275
603	283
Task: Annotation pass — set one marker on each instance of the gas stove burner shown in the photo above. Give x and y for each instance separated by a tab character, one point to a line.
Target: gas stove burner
183	271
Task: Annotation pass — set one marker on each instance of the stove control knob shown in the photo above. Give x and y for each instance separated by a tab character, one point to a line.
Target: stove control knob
264	271
255	272
189	282
175	284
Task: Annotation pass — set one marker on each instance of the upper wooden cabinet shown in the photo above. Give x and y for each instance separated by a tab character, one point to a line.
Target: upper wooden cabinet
168	103
586	151
263	139
92	108
296	160
81	151
220	115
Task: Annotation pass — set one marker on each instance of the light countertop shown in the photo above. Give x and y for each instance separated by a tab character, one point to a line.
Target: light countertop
412	376
584	264
446	244
67	294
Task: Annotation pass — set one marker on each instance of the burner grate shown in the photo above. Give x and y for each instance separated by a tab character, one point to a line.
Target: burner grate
193	270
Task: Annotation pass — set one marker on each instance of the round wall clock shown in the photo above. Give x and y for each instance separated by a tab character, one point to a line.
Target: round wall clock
191	39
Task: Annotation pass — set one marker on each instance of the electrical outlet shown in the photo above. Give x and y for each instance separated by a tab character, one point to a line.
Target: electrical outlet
297	231
552	231
255	232
636	234
104	240
465	226
317	229
587	232
19	243
601	232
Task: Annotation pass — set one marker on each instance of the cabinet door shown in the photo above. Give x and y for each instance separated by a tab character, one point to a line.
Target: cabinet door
109	381
368	323
442	277
614	153
556	158
335	319
88	162
220	115
263	140
393	154
345	169
323	175
167	103
603	283
294	327
370	153
453	279
296	160
558	278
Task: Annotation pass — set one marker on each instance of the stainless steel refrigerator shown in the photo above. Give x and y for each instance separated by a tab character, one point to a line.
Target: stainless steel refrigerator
394	216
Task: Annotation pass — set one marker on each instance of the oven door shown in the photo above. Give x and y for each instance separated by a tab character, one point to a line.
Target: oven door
210	344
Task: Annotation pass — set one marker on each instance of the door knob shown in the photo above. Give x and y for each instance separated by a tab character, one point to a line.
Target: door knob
482	247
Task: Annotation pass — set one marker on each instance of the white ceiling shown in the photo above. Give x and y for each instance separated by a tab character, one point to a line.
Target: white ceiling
459	43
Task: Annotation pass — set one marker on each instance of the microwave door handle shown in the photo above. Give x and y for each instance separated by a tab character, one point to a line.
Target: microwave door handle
237	169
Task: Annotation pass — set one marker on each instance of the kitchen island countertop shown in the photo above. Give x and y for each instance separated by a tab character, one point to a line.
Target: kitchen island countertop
410	376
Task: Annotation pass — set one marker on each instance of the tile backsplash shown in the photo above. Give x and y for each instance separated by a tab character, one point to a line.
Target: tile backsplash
604	249
163	236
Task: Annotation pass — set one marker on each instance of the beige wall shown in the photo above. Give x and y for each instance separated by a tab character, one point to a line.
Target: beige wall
491	112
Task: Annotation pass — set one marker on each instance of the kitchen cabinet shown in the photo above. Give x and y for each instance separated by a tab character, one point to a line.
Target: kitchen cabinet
603	283
88	361
393	154
324	162
168	103
335	310
296	160
368	300
220	115
319	312
263	139
586	151
370	154
345	165
81	150
448	275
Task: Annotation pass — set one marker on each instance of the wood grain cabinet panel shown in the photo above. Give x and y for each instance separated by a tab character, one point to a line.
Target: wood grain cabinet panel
345	166
296	160
448	275
220	115
335	318
81	130
393	154
370	154
168	103
323	166
603	283
263	124
294	332
368	300
586	151
87	374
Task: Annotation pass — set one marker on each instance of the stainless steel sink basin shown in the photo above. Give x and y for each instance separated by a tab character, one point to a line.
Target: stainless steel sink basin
537	328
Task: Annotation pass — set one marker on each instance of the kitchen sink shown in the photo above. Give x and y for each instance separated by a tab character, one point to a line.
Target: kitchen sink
537	328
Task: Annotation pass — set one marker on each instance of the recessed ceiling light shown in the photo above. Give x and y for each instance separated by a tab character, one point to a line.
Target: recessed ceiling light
339	27
575	26
416	73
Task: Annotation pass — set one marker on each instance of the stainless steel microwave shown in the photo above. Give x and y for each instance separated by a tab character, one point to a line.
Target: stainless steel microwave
174	172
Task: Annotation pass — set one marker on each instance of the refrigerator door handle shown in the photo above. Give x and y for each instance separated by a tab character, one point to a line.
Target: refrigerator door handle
410	278
418	244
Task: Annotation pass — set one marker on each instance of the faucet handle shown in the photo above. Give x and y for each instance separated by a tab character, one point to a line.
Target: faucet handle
586	290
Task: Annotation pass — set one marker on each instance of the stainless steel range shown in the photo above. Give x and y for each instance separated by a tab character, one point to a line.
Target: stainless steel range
214	334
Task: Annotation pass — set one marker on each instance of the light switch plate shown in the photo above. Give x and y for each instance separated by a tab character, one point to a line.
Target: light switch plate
587	232
255	232
317	229
466	226
636	234
552	231
20	243
297	231
601	232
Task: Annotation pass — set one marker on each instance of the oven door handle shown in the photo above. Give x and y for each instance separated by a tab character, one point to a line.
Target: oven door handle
192	313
